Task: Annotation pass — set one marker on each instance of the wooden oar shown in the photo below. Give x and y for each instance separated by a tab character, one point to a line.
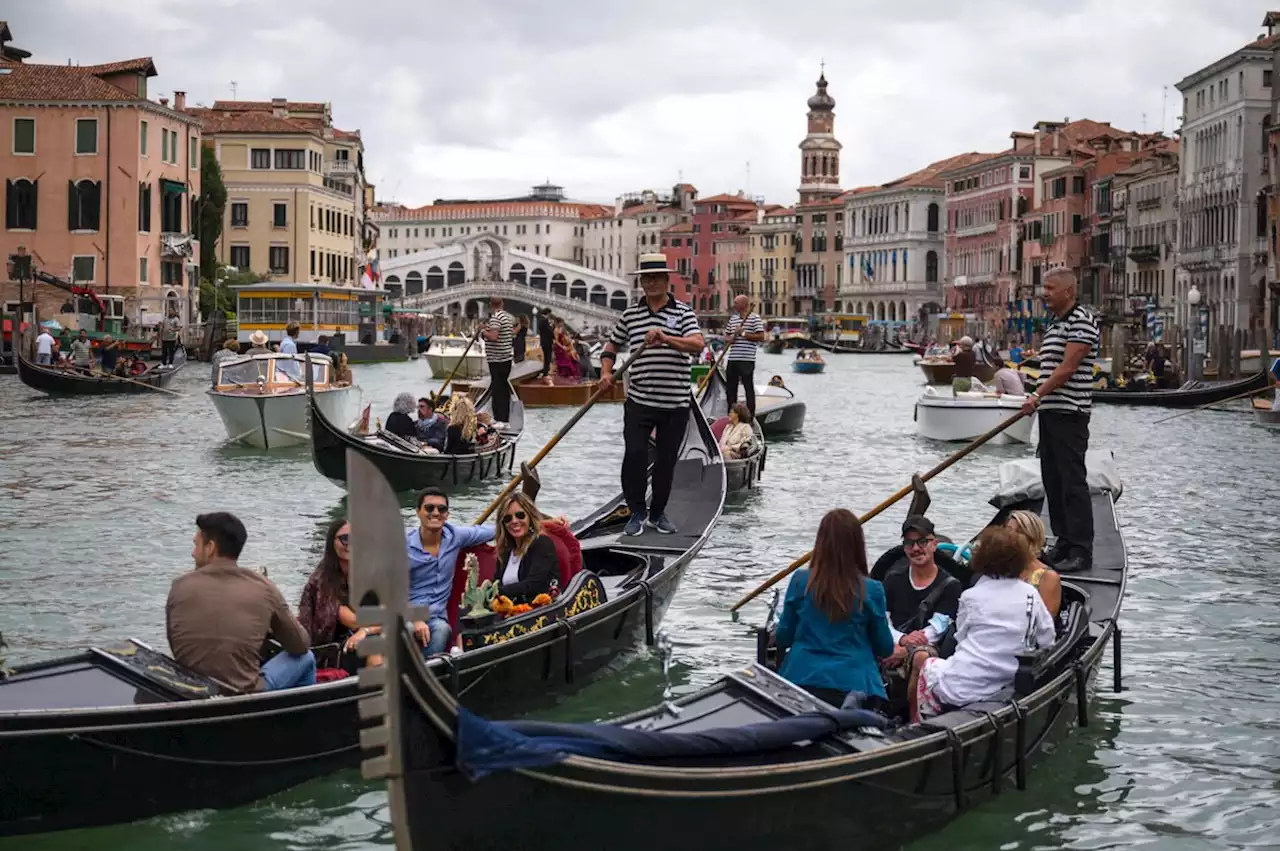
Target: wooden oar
436	395
702	382
879	509
564	429
1219	402
101	374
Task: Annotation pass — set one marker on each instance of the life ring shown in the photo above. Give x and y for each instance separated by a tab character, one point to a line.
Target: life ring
960	555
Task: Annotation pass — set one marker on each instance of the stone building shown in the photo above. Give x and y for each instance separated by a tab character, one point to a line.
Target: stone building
820	213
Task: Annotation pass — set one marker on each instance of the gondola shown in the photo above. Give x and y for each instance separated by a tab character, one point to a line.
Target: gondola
121	733
1265	415
68	382
750	762
778	410
404	465
740	473
775	346
1193	394
887	350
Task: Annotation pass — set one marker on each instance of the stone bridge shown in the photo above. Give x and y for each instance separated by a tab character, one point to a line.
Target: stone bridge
453	301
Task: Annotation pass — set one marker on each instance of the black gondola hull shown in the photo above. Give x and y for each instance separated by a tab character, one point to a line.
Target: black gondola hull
1207	394
66	382
713	399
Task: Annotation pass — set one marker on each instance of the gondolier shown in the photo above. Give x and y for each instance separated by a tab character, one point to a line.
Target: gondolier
1064	400
498	333
742	334
658	392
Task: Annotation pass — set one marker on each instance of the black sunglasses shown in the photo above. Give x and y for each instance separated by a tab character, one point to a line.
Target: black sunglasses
435	509
343	539
908	543
515	515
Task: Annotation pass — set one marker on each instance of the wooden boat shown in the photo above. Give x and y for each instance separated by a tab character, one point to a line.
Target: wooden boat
778	411
122	733
1193	394
808	362
775	346
886	350
405	464
262	400
740	473
939	371
68	382
1264	415
554	392
762	761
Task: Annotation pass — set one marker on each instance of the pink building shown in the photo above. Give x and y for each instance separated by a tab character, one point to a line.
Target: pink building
100	182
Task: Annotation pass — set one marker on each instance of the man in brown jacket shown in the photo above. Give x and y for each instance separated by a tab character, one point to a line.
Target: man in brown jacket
219	615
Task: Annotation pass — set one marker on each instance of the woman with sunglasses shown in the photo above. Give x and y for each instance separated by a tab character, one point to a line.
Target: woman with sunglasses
833	620
527	560
325	610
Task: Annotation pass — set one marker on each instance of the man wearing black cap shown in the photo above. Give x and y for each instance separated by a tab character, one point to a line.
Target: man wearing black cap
922	599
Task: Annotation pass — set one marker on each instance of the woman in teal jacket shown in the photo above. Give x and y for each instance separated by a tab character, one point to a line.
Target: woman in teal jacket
833	620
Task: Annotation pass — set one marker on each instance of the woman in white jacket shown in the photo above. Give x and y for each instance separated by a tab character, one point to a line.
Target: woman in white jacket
997	618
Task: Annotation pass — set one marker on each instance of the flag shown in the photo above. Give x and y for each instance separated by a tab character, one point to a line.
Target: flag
867	271
371	276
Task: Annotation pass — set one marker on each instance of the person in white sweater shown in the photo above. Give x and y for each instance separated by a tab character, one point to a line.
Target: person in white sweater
998	617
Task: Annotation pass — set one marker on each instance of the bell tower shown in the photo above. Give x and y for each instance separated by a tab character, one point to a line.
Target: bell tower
820	150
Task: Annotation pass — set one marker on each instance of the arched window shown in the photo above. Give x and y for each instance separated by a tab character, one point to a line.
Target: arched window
456	275
599	295
893	312
21	207
933	218
84	208
517	273
902	311
931	267
558	284
538	279
413	283
578	289
435	279
618	300
392	284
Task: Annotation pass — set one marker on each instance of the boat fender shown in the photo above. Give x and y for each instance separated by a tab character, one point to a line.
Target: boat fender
961	555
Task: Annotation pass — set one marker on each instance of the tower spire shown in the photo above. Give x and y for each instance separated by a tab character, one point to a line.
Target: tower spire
820	150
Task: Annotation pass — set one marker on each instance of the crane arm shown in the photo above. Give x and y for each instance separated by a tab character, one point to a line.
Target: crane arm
74	289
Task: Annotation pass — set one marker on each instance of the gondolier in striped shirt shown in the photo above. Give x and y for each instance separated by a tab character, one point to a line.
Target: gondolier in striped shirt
498	351
663	332
742	334
1064	400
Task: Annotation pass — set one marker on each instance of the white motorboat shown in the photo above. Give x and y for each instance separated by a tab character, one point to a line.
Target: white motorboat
965	416
444	354
262	399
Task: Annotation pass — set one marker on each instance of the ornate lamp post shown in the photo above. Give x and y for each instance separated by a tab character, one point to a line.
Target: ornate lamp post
1200	317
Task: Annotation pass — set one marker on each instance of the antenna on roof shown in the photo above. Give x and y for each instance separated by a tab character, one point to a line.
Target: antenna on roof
233	89
1164	103
748	178
1144	122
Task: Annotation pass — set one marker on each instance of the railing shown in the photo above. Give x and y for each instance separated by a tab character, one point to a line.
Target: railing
507	289
1144	253
977	230
339	167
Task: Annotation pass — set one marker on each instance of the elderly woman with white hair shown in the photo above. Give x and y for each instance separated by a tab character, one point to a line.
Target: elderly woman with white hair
400	422
965	360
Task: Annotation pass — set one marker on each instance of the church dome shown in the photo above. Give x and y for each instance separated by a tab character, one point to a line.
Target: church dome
821	100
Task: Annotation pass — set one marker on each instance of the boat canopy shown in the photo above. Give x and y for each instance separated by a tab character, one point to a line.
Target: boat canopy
271	372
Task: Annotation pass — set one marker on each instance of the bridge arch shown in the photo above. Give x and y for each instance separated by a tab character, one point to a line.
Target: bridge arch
393	285
558	285
435	279
538	279
578	290
413	283
457	275
599	295
518	273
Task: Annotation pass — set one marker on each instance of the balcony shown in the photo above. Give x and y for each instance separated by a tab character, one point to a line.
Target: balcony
1145	254
1150	203
977	230
339	167
739	286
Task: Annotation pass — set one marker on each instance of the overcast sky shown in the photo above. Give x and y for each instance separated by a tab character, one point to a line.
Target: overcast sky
487	97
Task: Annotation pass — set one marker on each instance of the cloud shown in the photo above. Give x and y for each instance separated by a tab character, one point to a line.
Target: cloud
487	98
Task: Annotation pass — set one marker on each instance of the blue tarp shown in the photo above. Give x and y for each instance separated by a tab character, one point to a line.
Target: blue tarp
488	746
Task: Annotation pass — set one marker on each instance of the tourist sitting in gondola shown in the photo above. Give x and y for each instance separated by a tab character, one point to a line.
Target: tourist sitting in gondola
325	610
776	381
737	440
992	625
527	561
566	354
487	434
922	598
434	545
432	427
399	422
342	371
219	615
461	434
833	621
1038	575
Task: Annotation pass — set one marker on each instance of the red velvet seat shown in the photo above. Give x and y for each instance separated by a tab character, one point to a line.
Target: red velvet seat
718	427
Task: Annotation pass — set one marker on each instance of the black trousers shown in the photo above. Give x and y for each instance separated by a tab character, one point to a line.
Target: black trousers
638	422
548	361
500	383
1064	437
744	371
167	348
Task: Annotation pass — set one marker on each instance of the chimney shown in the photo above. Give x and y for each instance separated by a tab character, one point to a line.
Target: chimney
179	100
279	107
1057	140
164	101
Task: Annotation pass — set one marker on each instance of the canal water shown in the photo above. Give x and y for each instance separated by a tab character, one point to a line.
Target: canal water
98	496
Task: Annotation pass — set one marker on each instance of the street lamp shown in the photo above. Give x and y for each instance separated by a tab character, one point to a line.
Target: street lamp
1198	348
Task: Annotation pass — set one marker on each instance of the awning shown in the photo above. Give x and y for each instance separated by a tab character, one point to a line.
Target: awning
172	186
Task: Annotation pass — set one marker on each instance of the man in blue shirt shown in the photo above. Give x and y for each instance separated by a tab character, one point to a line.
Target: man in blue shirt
433	553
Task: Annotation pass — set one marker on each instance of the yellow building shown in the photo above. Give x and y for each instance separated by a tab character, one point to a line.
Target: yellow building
295	190
773	259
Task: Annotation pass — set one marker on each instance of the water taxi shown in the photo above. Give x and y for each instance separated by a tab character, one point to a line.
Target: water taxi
351	317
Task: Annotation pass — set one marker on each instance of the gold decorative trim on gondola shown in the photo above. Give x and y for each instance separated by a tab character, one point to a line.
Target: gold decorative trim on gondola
589	596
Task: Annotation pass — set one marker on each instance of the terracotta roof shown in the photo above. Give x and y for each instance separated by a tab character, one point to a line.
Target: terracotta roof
215	121
780	211
726	199
346	135
142	65
267	106
35	82
645	209
493	210
682	227
930	175
1072	134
